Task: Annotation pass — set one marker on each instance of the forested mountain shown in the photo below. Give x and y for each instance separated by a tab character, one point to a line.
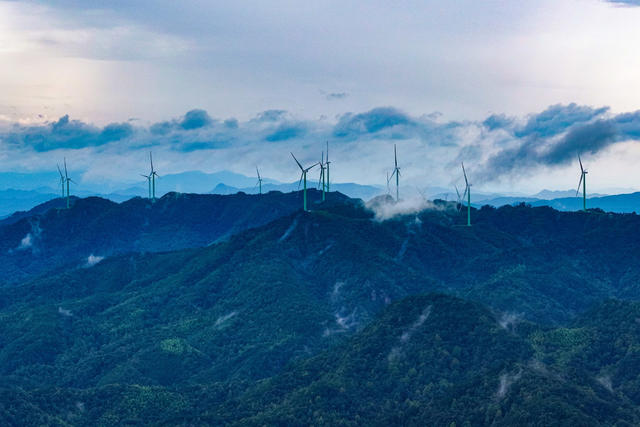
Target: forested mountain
50	236
319	317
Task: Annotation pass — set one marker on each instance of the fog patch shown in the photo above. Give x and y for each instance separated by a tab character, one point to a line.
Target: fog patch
336	291
289	230
343	321
505	383
64	312
508	320
93	260
26	242
220	321
605	381
387	208
30	239
396	351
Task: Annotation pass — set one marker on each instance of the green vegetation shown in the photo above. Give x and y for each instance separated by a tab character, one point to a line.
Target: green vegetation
330	317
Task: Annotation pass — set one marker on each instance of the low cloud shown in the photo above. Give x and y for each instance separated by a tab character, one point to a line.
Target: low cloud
26	242
93	260
493	148
386	207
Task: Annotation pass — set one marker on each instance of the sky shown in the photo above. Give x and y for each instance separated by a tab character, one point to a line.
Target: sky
515	89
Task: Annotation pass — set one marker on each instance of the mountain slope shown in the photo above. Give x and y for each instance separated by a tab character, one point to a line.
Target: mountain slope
49	238
430	357
244	308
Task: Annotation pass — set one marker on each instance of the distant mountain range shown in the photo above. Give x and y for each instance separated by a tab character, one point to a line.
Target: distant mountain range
364	192
21	192
621	203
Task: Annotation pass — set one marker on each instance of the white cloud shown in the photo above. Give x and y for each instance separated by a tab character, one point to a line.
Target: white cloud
93	260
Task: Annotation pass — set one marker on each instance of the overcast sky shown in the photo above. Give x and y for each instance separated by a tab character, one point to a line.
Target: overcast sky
516	89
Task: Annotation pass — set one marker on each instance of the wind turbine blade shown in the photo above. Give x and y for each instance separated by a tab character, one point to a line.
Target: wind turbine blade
579	182
310	167
466	181
300	182
258	172
151	160
392	174
457	192
299	165
65	168
327	151
581	168
322	159
395	156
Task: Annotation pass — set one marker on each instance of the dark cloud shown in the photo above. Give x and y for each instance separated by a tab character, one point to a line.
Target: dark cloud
557	136
195	119
498	121
558	118
66	133
373	121
286	131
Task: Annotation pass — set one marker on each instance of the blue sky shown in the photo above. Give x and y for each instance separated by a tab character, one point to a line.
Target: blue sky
516	89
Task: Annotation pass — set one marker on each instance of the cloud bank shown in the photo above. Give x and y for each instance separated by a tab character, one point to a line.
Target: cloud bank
494	148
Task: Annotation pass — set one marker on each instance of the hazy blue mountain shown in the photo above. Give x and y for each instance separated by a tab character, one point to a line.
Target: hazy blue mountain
358	191
20	200
620	203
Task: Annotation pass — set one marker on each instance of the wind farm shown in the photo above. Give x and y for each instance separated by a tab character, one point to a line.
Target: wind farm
426	259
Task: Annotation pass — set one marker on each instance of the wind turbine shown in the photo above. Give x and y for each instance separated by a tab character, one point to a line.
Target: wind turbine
467	192
583	181
61	179
259	180
148	182
396	172
327	163
321	181
153	176
388	179
303	176
67	180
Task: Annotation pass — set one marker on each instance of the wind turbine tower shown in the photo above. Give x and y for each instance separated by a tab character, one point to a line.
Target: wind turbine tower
153	175
303	177
67	180
259	180
322	181
148	182
467	191
327	163
583	181
62	182
396	172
